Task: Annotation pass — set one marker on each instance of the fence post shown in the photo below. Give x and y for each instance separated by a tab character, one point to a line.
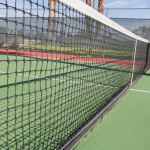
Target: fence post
135	47
107	13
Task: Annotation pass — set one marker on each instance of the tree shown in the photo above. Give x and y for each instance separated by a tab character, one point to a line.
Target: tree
143	32
2	36
38	35
15	43
69	35
20	32
32	34
14	40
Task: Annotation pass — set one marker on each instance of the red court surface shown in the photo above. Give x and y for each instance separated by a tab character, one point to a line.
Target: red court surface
72	57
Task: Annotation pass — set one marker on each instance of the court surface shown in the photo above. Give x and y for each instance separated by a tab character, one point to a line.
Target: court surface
36	93
126	126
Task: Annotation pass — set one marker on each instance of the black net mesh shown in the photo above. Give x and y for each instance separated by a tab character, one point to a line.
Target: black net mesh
138	26
140	59
147	67
58	72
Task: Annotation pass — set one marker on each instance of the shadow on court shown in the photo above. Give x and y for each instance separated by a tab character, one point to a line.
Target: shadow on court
147	74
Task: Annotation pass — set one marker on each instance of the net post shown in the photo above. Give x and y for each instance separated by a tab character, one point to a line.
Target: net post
135	47
147	56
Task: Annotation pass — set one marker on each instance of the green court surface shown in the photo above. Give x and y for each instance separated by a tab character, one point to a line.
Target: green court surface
45	91
126	126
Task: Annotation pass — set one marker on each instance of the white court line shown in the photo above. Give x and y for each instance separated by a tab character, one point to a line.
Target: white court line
52	58
75	82
62	80
139	90
5	55
14	56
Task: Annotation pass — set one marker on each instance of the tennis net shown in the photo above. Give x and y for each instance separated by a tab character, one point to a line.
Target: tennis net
61	63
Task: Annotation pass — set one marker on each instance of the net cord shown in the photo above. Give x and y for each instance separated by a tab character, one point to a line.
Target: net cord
135	47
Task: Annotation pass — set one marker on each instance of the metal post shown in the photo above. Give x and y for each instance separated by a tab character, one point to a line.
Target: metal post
94	4
135	46
107	13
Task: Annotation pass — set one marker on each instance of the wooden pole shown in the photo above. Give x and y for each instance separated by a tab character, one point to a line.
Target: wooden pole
88	2
101	6
55	8
51	8
50	19
101	10
52	14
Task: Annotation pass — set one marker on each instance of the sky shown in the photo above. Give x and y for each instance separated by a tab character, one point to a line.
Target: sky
112	13
123	3
125	13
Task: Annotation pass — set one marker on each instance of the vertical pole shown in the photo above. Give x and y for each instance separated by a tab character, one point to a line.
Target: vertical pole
50	12
94	4
88	2
101	10
101	6
103	53
55	9
54	21
107	13
51	8
146	60
135	47
50	19
62	28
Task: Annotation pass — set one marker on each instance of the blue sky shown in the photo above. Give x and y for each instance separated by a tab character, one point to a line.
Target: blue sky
112	13
107	4
126	4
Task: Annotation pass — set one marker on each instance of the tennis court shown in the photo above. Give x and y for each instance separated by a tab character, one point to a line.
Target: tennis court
127	126
44	90
59	69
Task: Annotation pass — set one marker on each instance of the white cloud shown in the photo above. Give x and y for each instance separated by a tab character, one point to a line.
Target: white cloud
140	5
124	3
117	3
